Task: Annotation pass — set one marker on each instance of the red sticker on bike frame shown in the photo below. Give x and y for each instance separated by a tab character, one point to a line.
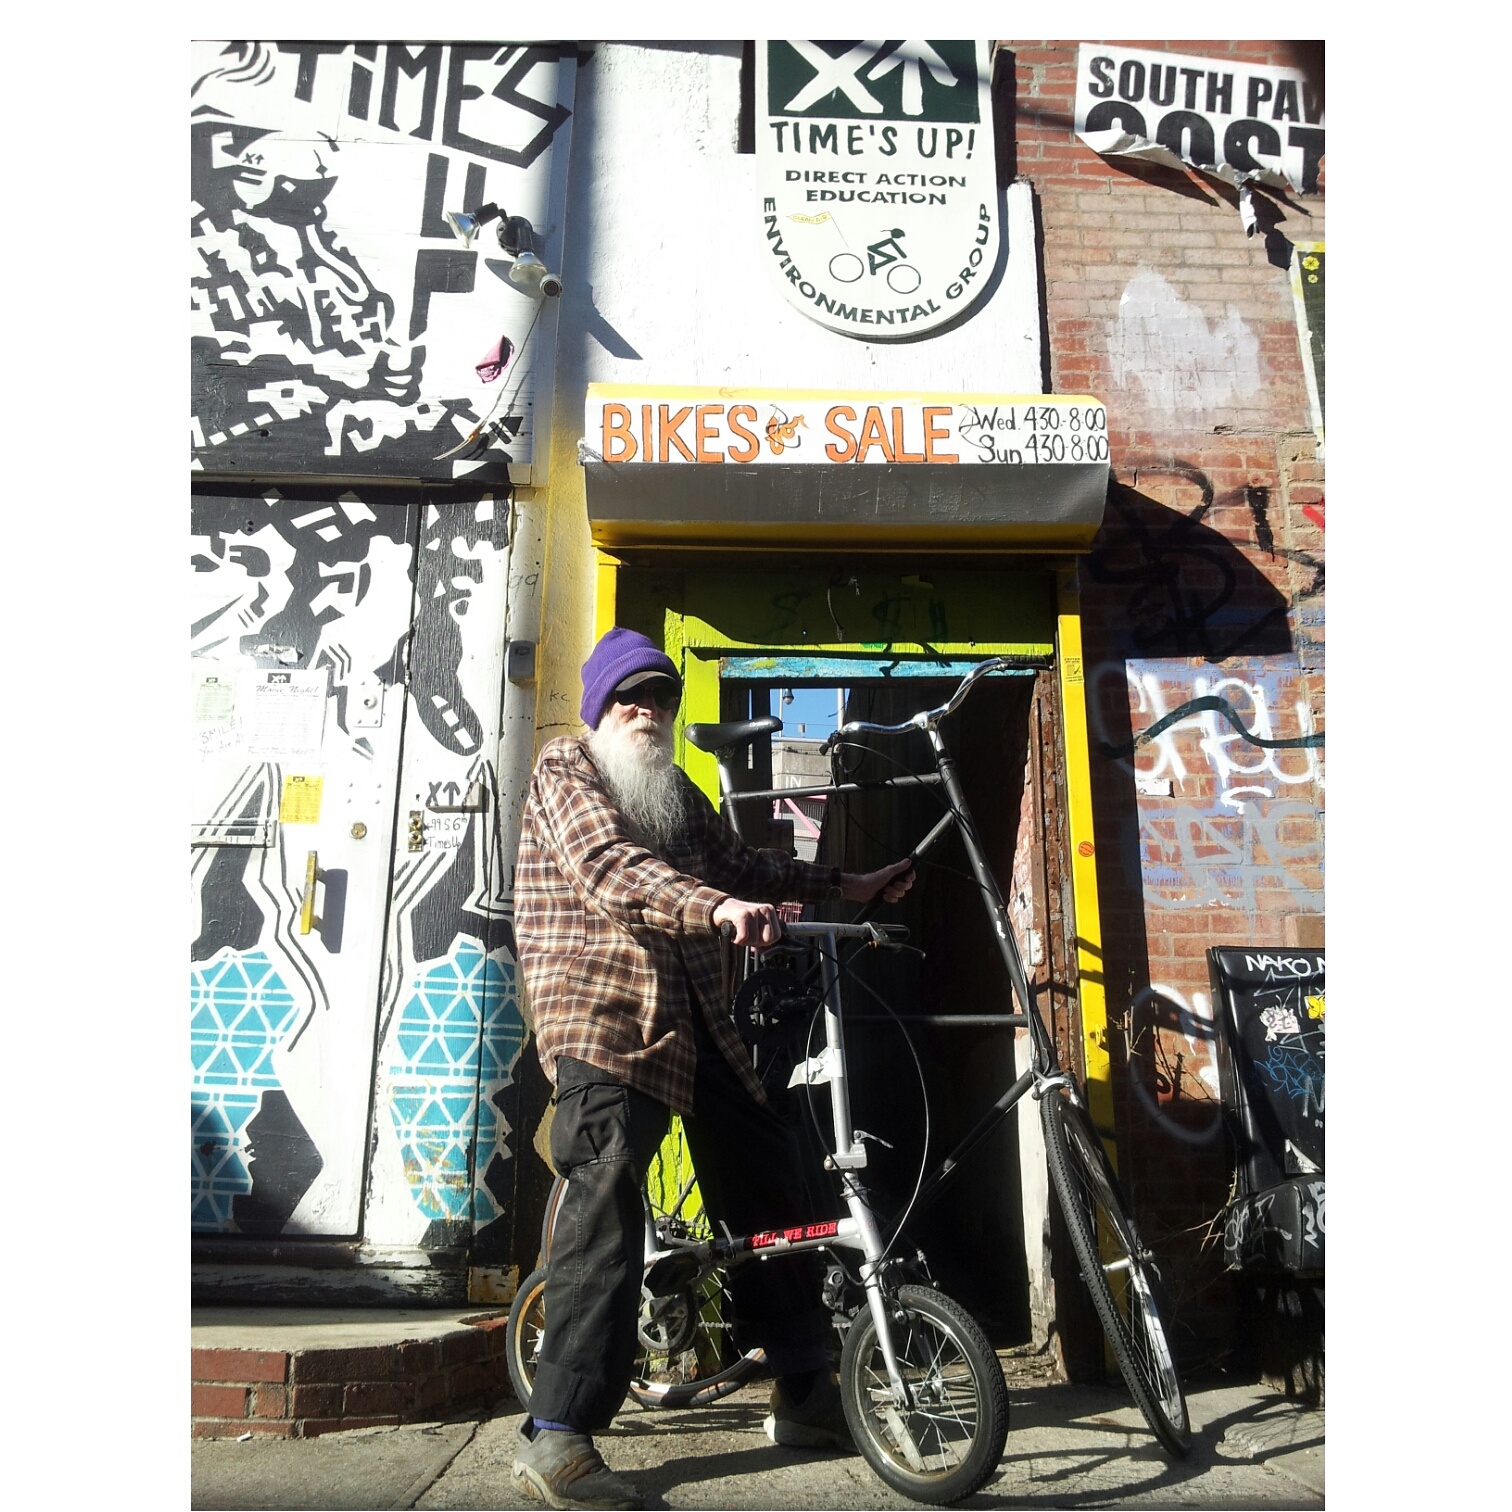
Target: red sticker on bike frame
1084	848
770	1237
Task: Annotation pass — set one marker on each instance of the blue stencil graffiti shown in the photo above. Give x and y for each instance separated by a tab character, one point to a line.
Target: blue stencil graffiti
239	1009
460	1029
1295	1073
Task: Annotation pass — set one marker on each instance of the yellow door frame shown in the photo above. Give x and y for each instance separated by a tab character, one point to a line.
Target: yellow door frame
1086	916
702	696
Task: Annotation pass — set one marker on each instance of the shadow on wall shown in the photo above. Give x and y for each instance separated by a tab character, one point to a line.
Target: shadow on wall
1167	584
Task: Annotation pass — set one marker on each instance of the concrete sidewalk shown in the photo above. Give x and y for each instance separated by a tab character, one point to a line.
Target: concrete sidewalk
1068	1446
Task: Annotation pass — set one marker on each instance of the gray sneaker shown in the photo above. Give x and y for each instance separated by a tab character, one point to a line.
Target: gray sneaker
565	1470
818	1422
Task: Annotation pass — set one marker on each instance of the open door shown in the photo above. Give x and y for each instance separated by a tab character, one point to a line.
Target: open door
898	643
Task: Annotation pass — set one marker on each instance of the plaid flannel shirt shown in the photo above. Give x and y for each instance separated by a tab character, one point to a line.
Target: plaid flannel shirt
616	944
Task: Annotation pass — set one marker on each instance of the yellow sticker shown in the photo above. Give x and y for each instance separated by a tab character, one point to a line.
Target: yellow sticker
1314	1005
300	803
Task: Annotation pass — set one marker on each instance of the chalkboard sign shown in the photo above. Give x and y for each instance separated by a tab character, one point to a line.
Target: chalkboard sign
1269	1008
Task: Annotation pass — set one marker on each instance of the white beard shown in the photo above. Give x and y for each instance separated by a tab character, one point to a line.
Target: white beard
637	768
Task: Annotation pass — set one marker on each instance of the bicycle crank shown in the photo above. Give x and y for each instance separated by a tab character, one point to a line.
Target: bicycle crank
667	1325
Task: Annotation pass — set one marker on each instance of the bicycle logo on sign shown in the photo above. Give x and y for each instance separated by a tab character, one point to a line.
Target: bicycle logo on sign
901	276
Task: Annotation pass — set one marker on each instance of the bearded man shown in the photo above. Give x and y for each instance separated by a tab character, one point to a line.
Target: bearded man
625	875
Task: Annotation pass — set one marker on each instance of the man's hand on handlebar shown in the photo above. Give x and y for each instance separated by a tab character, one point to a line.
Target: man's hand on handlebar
760	926
891	881
755	924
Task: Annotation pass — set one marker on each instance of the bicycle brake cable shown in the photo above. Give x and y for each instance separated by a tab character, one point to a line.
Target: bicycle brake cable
923	1098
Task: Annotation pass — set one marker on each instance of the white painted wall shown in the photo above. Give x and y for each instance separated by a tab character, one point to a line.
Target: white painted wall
1179	362
664	225
664	253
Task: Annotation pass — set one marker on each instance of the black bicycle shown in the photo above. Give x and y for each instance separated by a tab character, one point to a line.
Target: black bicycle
1115	1263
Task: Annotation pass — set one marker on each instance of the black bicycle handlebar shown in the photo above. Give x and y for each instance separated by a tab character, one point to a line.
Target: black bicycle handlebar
872	933
927	717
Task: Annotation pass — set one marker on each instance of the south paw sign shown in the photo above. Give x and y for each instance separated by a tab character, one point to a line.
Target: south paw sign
876	181
1240	122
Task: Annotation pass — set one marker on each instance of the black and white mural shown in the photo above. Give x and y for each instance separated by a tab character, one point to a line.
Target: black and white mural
339	327
354	1017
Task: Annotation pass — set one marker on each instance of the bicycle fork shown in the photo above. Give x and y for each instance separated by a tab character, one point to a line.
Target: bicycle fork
871	1279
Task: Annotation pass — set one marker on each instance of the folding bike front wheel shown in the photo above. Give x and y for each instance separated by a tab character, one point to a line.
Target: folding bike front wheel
1116	1267
947	1444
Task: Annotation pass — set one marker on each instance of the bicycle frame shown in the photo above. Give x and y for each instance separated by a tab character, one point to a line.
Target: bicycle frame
860	1231
1044	1069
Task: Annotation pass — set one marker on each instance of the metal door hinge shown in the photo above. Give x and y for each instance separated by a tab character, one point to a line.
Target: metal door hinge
253	832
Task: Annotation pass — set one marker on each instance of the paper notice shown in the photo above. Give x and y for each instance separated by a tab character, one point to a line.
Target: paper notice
300	803
213	709
283	715
1242	123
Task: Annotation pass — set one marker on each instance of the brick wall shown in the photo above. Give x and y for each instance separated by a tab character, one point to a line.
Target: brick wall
307	1392
1206	583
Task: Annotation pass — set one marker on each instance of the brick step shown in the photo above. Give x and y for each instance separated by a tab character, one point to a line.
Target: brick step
287	1372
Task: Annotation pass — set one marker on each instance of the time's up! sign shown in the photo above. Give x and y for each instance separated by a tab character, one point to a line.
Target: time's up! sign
877	181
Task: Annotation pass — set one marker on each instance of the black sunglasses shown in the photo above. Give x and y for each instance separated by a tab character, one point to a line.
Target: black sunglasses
661	691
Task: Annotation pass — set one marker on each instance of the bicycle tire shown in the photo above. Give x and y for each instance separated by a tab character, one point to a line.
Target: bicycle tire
1115	1266
527	1326
693	1368
950	1443
527	1323
702	1390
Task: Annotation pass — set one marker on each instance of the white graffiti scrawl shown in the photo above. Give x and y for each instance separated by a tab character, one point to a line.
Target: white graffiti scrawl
1242	769
1240	758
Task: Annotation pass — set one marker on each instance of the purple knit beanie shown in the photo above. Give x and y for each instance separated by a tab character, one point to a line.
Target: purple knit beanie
620	654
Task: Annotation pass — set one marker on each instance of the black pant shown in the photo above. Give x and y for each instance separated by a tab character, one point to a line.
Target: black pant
602	1139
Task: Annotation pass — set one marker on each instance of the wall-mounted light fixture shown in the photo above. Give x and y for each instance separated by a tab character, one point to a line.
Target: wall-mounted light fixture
517	237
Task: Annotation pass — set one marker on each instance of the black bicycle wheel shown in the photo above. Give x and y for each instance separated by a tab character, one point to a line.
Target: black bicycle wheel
554	1199
948	1444
664	1377
656	1387
1116	1266
527	1323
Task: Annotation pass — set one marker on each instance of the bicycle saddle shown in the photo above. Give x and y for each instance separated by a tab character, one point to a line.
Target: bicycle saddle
732	735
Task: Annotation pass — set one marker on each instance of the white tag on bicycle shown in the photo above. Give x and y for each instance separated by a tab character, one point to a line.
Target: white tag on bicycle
814	1071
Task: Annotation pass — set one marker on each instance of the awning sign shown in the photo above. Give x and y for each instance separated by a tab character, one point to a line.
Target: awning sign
795	428
877	181
1242	122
